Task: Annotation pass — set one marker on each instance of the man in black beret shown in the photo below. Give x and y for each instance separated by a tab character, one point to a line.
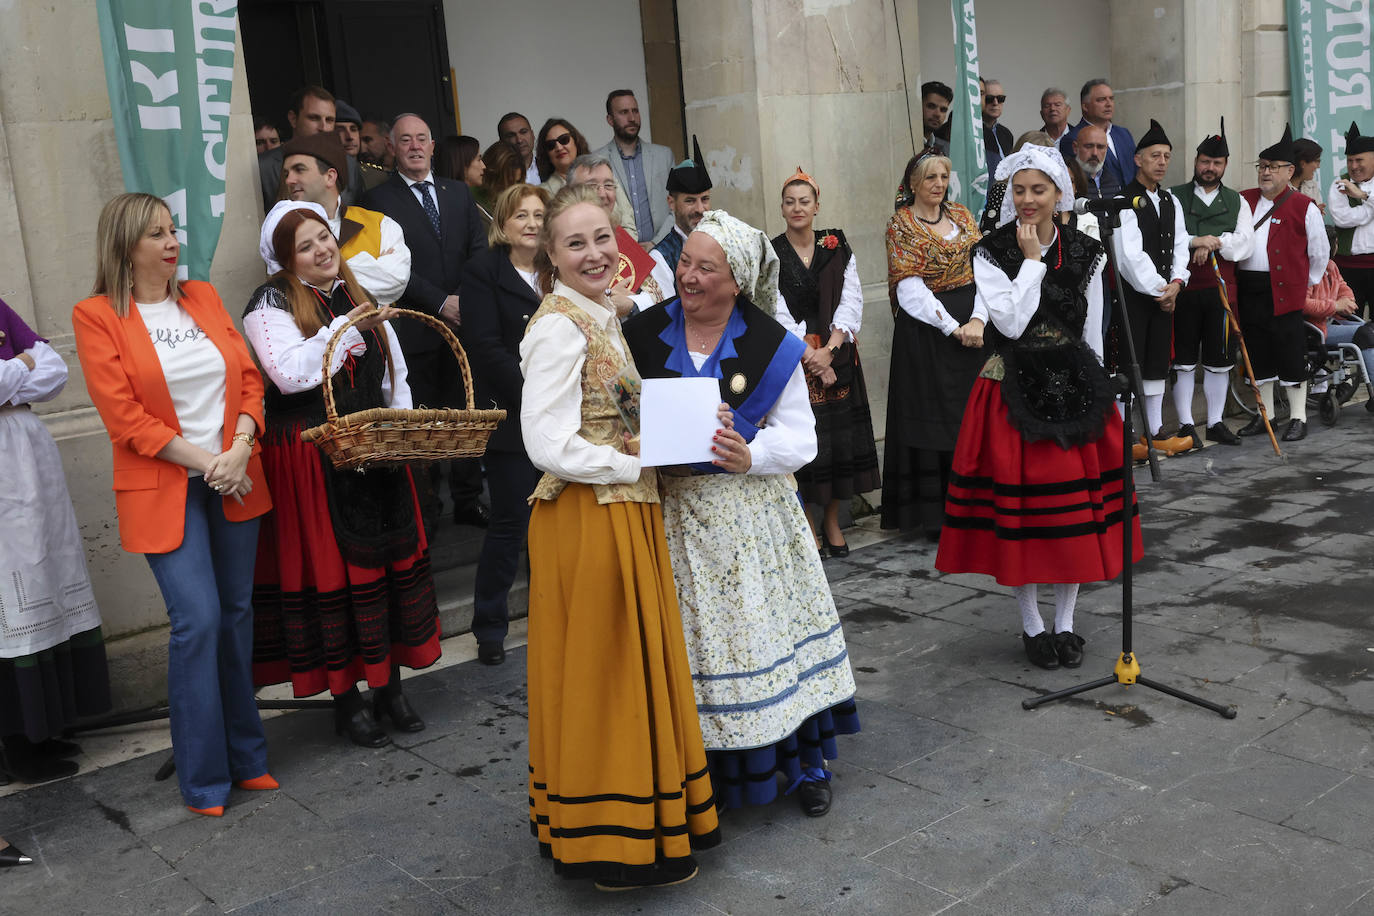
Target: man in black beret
1352	210
689	197
1152	255
1220	223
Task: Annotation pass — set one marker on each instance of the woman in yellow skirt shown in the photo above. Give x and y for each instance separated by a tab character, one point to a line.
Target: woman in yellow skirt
619	790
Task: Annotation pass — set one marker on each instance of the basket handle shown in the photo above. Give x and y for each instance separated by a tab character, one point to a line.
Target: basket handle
331	412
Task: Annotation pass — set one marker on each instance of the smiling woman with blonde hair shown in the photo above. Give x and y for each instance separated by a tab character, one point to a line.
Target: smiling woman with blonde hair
619	789
181	399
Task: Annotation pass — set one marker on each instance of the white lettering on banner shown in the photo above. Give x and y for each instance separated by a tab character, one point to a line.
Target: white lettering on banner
1347	54
215	20
176	205
159	117
214	83
149	41
159	87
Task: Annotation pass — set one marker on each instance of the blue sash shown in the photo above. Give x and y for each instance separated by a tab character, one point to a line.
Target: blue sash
766	390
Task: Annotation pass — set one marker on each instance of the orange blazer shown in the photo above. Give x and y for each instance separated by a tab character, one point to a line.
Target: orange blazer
126	384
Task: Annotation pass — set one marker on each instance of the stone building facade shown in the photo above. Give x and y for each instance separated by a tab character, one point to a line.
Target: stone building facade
768	84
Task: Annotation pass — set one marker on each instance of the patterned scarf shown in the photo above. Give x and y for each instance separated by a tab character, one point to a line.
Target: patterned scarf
751	257
913	250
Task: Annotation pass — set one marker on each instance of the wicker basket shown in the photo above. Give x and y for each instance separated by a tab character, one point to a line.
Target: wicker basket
384	435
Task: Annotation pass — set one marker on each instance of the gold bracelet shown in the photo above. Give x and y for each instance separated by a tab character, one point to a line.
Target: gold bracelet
245	438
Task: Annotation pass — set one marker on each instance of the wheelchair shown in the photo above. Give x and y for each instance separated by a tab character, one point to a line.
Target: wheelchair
1341	367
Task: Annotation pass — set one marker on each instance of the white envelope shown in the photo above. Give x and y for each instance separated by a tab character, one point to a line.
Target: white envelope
677	418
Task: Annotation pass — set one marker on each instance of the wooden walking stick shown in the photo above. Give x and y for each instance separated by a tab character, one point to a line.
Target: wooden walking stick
1245	354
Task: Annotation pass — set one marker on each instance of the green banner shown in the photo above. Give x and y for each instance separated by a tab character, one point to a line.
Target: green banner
169	67
969	182
1329	73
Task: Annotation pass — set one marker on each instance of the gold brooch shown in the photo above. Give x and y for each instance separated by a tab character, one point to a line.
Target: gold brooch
737	383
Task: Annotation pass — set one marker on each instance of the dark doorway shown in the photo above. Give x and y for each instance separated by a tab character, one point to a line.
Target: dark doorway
382	56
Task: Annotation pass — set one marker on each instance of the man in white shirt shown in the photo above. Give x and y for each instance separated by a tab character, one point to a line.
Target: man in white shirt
1151	251
1289	257
1220	223
514	129
689	199
1351	208
373	245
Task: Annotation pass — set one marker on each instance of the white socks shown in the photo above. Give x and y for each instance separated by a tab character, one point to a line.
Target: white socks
1267	395
1154	413
1297	401
1031	622
1214	388
1065	600
1184	380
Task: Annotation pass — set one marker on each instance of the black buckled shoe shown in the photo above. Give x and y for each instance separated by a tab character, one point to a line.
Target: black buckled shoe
1040	650
814	797
1254	428
1297	430
393	703
1220	432
1189	431
1069	647
353	718
491	653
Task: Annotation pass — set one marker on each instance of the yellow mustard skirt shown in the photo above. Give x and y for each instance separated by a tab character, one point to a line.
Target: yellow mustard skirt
618	776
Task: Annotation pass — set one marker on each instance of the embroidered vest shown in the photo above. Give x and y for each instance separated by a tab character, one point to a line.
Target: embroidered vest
1215	218
671	248
1287	249
1156	228
601	421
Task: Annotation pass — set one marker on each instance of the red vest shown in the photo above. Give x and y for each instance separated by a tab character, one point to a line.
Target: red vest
1287	249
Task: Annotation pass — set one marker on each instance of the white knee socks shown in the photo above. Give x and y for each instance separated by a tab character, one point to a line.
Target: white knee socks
1031	621
1065	600
1297	401
1184	380
1154	413
1267	395
1214	388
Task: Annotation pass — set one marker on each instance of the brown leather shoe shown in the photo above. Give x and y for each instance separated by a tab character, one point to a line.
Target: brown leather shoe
1174	445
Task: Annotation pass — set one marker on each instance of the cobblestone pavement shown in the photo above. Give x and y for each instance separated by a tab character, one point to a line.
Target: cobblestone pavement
1255	593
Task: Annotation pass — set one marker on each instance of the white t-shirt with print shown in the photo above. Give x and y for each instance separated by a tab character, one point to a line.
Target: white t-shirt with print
194	369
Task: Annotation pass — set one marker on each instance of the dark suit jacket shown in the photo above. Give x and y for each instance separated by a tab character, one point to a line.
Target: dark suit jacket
497	304
990	145
436	261
1120	165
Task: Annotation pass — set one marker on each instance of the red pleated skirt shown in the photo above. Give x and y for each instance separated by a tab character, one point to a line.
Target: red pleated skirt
1033	512
319	621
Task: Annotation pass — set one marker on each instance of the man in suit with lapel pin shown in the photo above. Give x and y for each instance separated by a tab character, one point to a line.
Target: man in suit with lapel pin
442	230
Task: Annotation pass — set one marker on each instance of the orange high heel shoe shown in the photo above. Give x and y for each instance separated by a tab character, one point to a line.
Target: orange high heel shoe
216	811
258	783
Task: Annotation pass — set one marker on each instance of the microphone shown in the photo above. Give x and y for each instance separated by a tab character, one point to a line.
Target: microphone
1110	205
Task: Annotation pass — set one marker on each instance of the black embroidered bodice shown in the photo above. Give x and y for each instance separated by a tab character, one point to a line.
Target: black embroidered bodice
800	285
1063	307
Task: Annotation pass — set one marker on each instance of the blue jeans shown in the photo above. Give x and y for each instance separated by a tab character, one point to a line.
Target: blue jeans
511	479
1347	330
207	584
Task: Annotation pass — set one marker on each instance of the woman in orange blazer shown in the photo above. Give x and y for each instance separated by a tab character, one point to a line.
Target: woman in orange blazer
182	402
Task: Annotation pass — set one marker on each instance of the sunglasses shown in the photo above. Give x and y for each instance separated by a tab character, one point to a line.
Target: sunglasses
996	99
561	140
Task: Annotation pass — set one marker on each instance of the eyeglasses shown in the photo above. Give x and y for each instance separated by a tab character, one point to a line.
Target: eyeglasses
1272	166
562	140
603	186
996	99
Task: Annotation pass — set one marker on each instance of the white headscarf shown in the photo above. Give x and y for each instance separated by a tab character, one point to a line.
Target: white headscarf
1045	158
751	257
269	226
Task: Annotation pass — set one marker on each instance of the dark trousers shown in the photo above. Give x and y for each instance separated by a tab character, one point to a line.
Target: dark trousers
1200	323
1276	343
435	381
511	479
1152	330
1361	282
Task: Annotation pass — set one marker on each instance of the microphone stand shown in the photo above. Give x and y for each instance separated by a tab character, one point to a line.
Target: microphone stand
1127	670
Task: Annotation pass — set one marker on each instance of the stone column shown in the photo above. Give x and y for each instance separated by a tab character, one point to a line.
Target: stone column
824	84
59	163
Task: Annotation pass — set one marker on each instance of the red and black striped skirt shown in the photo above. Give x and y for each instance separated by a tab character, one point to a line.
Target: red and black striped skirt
1033	512
320	621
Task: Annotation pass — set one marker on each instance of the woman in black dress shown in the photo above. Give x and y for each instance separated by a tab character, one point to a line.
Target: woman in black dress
822	302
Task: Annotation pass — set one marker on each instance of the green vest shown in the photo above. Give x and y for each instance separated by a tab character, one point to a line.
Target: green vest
1208	219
